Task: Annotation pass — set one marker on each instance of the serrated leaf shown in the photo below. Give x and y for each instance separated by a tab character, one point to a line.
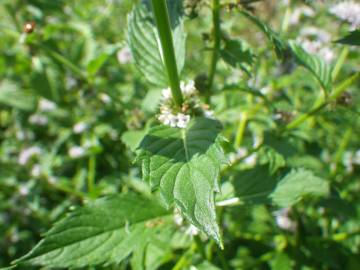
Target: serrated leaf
12	96
273	158
318	67
279	44
104	232
297	185
238	55
144	41
353	38
184	164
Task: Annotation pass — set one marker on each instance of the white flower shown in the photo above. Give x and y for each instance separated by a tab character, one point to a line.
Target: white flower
24	190
124	56
80	127
105	98
166	94
46	105
348	11
192	230
26	154
182	120
178	218
357	157
36	171
250	160
315	41
188	89
76	151
38	119
284	221
299	12
209	114
179	120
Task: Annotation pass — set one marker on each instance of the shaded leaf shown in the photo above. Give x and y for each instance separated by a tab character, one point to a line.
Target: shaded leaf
353	38
238	55
103	232
185	165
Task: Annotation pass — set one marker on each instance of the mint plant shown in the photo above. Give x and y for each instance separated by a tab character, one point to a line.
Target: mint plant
240	154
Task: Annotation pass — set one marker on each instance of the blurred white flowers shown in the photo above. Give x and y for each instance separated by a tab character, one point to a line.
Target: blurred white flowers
348	11
80	127
38	119
28	153
124	56
316	41
77	151
46	105
284	221
300	12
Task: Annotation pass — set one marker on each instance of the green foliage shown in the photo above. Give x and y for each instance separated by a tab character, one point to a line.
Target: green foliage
144	41
353	38
318	67
104	232
185	165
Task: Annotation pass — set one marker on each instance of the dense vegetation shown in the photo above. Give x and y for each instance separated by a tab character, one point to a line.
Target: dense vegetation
194	135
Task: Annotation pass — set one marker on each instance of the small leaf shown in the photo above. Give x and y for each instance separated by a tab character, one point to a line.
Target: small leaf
185	165
298	184
103	232
144	41
353	38
273	158
279	44
238	55
318	67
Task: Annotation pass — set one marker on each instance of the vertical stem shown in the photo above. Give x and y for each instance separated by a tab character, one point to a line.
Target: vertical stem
91	174
340	62
241	129
216	48
163	26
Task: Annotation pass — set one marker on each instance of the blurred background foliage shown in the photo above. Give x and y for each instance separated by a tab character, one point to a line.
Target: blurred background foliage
73	108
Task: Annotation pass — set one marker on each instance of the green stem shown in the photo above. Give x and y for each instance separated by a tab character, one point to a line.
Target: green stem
340	62
91	174
336	93
341	149
163	26
241	129
216	48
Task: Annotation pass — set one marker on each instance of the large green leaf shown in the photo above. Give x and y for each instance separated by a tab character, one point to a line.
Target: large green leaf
318	67
185	164
144	41
103	232
298	184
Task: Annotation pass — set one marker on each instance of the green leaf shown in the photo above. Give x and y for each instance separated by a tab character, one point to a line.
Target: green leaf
318	67
273	158
353	38
144	41
279	44
185	165
12	96
104	232
238	55
298	184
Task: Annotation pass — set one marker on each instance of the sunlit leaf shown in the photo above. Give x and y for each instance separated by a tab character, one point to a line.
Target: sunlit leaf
184	164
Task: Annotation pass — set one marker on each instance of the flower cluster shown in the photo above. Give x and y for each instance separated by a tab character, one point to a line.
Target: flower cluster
347	11
315	40
172	116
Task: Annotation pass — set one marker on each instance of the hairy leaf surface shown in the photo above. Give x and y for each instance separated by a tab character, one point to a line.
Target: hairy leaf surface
144	41
185	164
103	232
